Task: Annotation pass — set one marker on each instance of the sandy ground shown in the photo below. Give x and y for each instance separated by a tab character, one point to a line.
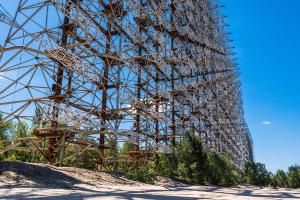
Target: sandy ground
145	192
28	181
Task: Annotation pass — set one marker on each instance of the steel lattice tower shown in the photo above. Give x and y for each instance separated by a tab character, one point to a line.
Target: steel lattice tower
93	74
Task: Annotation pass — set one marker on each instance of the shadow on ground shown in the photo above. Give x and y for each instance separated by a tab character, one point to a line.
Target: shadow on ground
34	175
30	181
102	195
150	195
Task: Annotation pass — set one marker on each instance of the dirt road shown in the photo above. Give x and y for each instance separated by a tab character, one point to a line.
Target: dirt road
27	181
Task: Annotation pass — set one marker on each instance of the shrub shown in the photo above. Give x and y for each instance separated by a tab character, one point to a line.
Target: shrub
257	174
142	174
280	179
294	176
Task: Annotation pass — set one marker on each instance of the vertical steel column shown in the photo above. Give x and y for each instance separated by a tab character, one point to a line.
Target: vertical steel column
58	88
104	113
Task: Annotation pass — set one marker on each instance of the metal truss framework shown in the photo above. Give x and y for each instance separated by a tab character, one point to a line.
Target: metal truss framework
93	74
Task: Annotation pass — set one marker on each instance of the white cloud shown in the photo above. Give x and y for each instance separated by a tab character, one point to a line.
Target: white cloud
266	123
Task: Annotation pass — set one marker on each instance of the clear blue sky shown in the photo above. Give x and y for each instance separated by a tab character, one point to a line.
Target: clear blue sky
266	35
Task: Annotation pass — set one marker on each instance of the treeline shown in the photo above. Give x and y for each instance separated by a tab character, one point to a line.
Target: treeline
257	174
9	132
187	162
190	163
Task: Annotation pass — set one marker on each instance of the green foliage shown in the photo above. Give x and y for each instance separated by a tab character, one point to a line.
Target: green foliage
191	159
294	176
19	130
191	163
126	148
123	153
187	161
166	164
220	171
4	132
142	174
3	127
134	171
257	174
280	179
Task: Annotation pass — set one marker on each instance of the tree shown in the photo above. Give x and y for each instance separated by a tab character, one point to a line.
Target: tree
191	159
166	164
219	170
294	176
4	135
257	174
198	166
17	131
280	179
4	129
38	118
